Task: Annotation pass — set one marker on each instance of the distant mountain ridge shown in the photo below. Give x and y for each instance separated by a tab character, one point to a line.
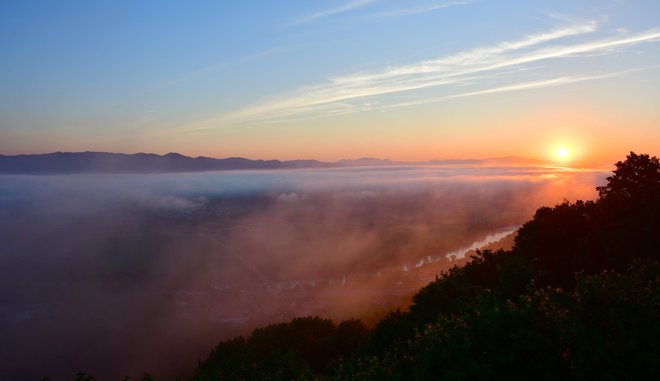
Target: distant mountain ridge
107	162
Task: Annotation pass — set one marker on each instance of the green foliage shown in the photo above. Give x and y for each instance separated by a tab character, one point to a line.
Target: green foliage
362	368
393	330
299	349
605	328
82	376
229	360
613	330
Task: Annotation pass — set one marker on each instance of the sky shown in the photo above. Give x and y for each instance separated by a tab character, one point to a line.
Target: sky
329	80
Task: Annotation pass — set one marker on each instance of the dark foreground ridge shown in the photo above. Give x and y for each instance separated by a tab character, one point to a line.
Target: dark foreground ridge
576	298
106	162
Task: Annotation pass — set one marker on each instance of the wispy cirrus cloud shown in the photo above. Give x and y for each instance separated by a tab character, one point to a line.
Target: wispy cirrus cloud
340	95
330	12
419	9
551	82
478	59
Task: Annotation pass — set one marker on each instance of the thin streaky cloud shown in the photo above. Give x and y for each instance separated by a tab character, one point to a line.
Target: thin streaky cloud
411	77
330	12
533	85
474	55
602	46
419	9
450	72
547	83
552	82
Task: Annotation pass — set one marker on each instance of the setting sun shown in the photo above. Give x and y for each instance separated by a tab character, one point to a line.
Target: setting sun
563	153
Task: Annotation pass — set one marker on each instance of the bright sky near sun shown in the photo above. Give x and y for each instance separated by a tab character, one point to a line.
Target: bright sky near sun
405	80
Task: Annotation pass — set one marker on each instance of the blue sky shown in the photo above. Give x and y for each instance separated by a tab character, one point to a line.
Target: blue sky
330	79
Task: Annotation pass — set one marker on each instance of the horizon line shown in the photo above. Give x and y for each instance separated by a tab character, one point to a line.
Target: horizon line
537	161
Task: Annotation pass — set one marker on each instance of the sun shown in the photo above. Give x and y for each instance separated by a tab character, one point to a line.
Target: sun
563	153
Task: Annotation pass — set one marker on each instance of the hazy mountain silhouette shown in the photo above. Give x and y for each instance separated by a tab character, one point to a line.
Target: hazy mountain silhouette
106	162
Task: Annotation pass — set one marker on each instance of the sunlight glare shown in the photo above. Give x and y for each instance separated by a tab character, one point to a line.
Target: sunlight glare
563	153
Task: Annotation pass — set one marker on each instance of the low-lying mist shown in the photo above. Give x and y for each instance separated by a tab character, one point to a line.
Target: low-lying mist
120	274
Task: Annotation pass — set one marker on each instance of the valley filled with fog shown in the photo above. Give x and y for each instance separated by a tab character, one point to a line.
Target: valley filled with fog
117	274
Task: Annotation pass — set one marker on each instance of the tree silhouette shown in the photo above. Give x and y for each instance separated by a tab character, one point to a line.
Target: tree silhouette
637	178
82	376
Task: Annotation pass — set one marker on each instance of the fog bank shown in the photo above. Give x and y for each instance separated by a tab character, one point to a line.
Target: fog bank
120	274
